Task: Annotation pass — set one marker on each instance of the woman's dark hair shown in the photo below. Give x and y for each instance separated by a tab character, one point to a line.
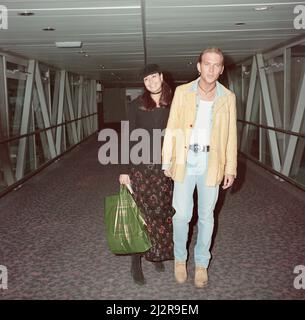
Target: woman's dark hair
165	99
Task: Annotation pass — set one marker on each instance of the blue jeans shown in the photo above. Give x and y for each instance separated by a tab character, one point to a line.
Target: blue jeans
183	204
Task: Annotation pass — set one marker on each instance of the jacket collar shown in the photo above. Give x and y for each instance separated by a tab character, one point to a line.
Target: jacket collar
220	89
221	93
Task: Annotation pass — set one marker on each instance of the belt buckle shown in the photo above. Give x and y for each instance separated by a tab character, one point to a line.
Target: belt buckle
196	147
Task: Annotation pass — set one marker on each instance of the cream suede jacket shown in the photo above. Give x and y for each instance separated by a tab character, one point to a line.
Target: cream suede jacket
223	142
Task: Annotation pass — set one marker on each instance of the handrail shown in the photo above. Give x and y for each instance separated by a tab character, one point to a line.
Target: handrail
44	129
297	134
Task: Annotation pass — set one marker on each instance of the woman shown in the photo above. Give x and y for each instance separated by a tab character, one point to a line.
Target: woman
152	190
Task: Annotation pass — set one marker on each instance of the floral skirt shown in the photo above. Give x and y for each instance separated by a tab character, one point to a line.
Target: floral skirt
153	194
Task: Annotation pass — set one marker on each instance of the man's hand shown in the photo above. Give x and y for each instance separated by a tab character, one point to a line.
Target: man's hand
124	179
228	181
167	173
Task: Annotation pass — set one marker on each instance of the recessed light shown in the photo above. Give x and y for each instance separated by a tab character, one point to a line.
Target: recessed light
68	44
239	23
86	55
262	8
49	29
102	66
26	13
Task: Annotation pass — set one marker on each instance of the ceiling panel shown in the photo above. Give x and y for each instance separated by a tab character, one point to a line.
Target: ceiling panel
118	38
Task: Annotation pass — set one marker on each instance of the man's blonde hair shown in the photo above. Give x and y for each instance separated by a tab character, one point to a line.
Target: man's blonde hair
211	49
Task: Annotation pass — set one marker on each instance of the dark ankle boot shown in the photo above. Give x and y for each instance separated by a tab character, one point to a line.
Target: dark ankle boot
136	269
159	266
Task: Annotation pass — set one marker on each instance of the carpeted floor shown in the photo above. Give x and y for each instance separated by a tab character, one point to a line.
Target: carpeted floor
52	238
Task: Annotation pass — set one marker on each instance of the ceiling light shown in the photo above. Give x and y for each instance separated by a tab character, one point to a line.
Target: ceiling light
262	8
69	44
26	13
49	29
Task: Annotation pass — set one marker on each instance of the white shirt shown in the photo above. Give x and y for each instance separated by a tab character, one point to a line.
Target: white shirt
202	127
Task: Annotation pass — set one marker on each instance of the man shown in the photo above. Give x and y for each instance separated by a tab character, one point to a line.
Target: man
200	149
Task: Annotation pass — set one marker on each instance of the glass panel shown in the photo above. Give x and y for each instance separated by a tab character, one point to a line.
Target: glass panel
44	152
13	149
265	151
246	82
30	155
239	132
16	91
69	135
75	85
237	80
63	137
54	84
95	122
258	140
297	171
253	141
251	144
280	137
256	109
37	150
83	131
276	88
275	80
6	165
297	72
45	78
3	183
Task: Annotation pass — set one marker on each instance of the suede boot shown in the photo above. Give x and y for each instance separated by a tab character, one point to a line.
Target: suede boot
180	271
136	269
201	277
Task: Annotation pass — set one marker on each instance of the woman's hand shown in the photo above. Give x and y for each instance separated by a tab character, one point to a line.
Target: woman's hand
124	179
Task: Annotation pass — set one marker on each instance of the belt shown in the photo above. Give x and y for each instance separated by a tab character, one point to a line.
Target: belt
198	148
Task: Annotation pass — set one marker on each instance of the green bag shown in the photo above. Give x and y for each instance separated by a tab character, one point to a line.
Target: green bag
125	227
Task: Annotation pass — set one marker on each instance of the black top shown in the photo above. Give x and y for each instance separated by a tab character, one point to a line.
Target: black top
141	118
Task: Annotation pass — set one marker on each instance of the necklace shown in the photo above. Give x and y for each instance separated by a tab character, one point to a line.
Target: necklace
206	92
156	92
